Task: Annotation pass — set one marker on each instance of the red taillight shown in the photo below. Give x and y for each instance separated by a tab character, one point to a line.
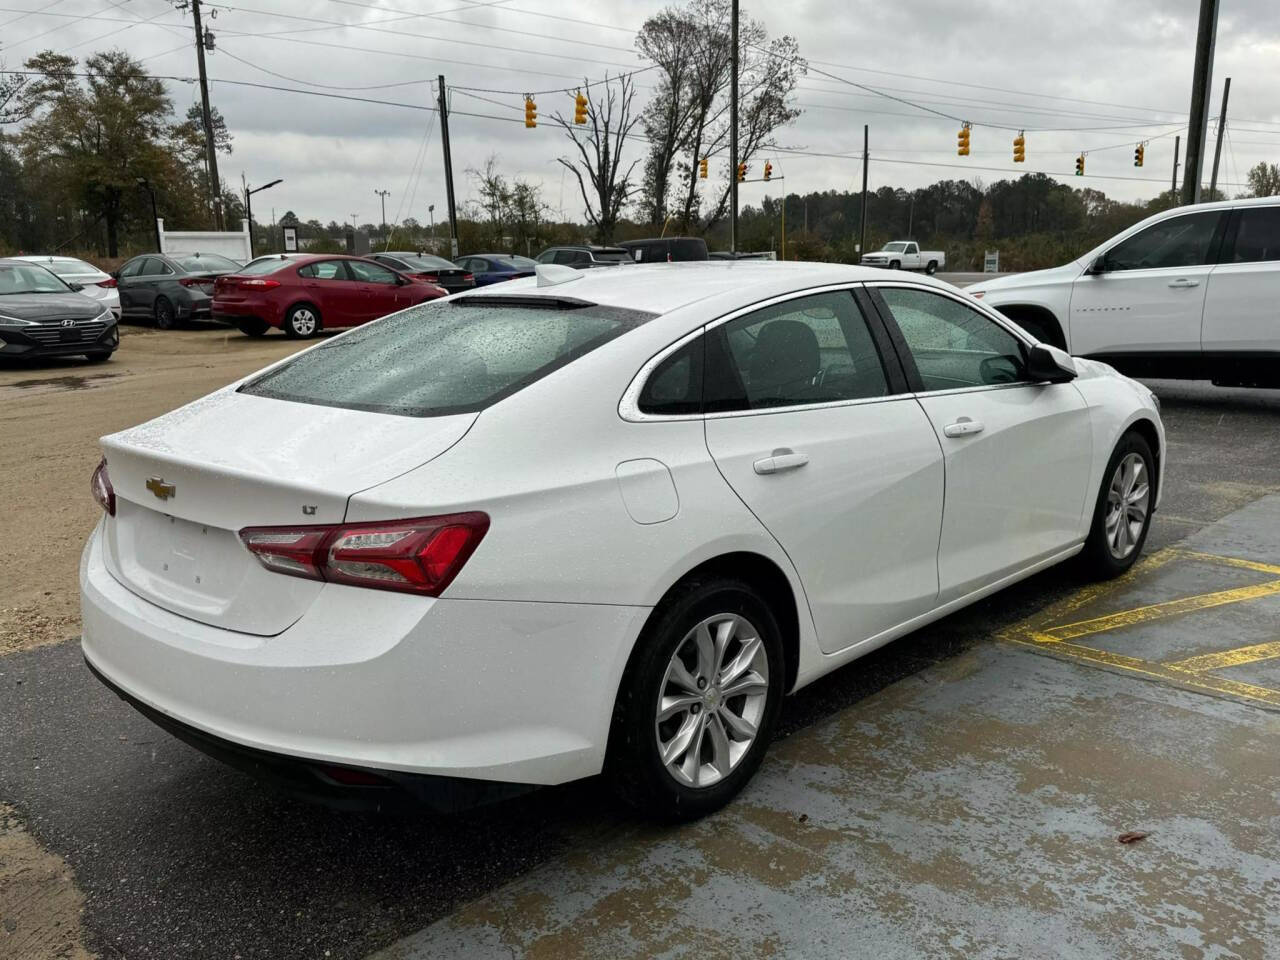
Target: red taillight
109	282
100	484
196	281
468	276
421	555
260	284
429	277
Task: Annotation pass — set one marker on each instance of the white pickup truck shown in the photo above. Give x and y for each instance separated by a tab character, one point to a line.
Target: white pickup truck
905	255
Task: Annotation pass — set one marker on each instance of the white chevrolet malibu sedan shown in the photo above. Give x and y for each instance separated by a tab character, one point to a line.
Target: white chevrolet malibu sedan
599	521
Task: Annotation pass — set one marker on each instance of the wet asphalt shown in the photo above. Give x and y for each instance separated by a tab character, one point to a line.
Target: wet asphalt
181	857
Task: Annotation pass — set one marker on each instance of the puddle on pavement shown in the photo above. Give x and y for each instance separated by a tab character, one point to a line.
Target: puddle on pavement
66	382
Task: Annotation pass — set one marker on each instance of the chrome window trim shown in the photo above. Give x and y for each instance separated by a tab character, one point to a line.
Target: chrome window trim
629	406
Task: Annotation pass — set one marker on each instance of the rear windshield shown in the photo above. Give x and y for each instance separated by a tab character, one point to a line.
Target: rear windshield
71	268
520	263
204	262
445	358
259	267
424	261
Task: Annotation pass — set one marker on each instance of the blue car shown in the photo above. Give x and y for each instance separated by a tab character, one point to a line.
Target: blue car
496	267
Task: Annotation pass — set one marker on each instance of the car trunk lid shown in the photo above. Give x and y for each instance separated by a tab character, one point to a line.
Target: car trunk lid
188	482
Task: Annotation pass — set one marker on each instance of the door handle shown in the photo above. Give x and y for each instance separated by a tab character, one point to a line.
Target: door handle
963	427
1183	282
781	460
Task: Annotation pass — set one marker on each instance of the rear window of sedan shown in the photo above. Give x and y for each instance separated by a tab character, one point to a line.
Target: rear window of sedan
258	267
204	262
446	358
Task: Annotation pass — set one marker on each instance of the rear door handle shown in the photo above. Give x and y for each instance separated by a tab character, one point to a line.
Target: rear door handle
963	427
1184	282
781	460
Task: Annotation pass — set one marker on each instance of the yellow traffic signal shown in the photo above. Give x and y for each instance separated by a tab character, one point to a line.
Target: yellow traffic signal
1139	152
962	141
580	108
1020	148
768	169
530	112
742	172
702	168
1080	165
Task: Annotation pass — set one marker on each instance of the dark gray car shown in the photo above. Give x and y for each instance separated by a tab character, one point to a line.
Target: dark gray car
170	288
585	256
41	315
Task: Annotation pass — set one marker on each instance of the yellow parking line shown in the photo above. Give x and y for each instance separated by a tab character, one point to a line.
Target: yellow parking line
1195	681
1229	658
1231	561
1160	611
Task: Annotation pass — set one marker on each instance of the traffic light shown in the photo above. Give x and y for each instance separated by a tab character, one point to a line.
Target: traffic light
1019	148
1138	153
580	108
702	168
530	113
962	141
742	172
768	169
1080	165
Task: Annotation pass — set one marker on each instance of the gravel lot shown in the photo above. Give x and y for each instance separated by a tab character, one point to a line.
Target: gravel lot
51	416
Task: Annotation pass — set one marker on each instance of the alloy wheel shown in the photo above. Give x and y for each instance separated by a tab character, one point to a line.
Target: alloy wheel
303	322
1128	502
712	700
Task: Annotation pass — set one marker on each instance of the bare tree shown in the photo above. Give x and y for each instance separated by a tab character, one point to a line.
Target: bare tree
671	40
598	164
12	106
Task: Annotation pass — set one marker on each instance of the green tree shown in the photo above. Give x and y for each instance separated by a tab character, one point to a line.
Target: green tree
1264	180
94	140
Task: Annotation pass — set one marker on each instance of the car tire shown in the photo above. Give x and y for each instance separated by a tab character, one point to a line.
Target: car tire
1128	485
253	327
894	264
740	650
932	268
98	356
302	321
166	316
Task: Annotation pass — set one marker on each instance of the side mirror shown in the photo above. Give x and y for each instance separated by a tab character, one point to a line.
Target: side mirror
1098	267
1046	363
77	287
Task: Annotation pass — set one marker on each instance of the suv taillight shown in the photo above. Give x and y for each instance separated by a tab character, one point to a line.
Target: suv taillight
420	555
100	484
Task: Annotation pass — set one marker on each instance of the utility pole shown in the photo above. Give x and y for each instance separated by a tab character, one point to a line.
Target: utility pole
448	169
1206	37
210	147
1177	142
383	194
733	130
1222	126
862	240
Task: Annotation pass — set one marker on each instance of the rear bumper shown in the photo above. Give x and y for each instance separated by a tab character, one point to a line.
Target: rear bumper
520	693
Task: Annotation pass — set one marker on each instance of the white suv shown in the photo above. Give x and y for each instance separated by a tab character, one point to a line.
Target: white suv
1192	293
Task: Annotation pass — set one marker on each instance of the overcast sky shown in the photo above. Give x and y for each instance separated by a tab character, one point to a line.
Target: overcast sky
1127	68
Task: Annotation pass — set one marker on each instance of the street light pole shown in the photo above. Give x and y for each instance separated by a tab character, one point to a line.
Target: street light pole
733	130
248	209
431	212
155	216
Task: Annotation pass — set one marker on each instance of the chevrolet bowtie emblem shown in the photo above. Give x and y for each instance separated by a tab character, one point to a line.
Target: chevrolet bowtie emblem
161	489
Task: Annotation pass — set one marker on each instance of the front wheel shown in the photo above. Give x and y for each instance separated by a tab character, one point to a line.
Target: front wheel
698	704
894	265
1122	516
302	321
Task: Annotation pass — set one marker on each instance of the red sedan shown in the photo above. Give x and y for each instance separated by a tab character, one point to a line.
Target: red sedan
304	294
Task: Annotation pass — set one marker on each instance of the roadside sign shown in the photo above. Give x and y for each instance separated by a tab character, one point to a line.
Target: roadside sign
290	239
991	262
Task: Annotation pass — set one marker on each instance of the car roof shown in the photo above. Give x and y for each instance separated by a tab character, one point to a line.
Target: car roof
663	287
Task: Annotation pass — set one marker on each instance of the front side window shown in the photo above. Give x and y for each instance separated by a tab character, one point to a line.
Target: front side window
1183	241
814	349
371	272
953	345
1257	235
445	358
